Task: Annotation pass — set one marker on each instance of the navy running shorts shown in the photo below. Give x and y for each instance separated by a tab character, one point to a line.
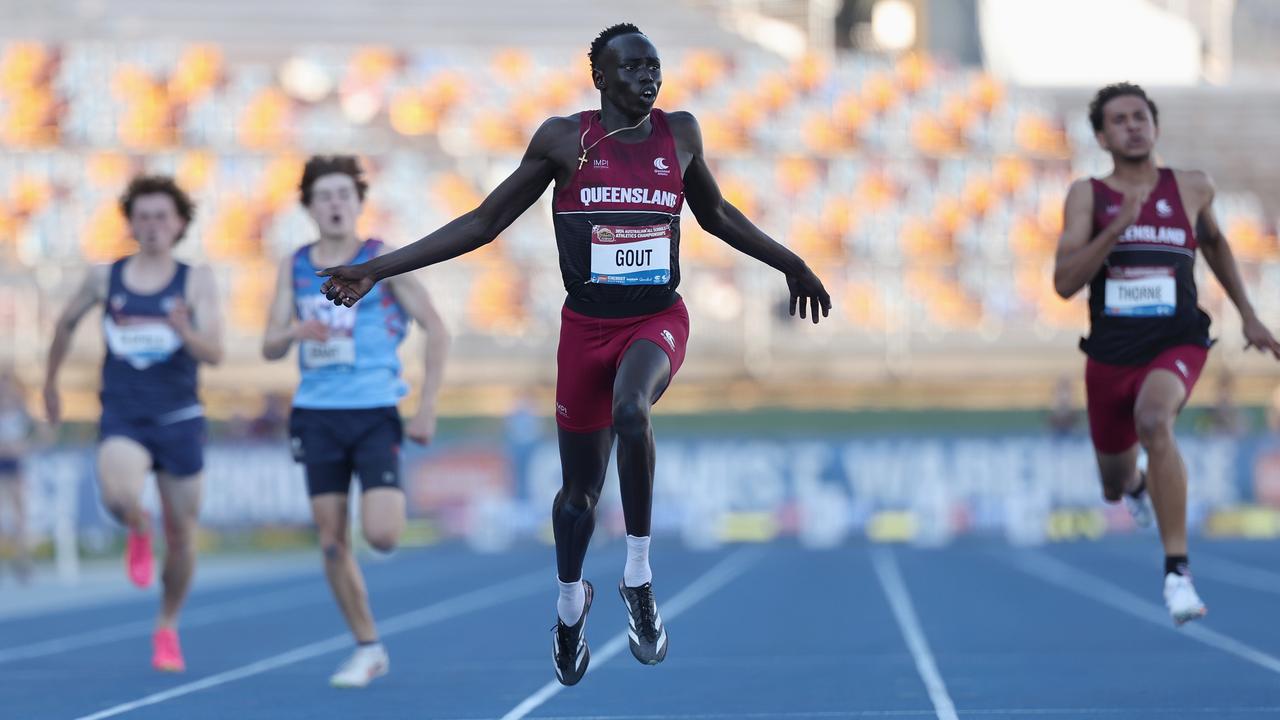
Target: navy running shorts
175	448
335	444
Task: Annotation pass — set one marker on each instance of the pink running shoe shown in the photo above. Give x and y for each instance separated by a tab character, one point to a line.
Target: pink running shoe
168	654
138	558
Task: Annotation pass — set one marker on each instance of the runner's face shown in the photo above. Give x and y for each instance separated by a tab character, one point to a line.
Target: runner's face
630	74
1128	130
155	222
335	205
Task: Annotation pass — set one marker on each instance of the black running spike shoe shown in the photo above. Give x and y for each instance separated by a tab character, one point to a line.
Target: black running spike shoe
647	635
569	646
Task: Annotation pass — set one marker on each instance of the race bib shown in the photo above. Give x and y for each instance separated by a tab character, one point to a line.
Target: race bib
340	349
631	255
334	351
141	342
1141	292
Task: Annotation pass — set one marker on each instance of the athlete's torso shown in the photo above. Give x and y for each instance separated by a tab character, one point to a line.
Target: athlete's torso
1143	300
357	367
147	372
617	223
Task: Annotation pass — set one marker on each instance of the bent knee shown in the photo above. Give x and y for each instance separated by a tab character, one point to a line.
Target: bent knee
1153	427
630	416
382	540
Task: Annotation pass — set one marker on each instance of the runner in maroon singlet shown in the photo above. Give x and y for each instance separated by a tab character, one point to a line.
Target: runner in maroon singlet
1132	238
621	174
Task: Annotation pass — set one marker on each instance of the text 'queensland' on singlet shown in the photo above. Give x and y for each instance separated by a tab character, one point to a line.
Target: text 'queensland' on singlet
1143	299
357	366
617	223
147	372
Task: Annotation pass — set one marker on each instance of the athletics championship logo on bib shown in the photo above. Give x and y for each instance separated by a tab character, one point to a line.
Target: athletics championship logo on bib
631	255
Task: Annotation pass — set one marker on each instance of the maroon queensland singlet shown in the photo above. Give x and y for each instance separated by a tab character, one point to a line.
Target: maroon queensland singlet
1143	299
617	223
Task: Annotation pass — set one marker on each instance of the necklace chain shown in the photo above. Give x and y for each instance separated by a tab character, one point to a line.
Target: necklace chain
582	160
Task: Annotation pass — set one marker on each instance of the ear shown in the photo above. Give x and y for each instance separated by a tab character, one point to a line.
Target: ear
1101	137
597	79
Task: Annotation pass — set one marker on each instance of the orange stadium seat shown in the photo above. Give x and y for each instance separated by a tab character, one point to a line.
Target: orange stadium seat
105	235
196	73
266	121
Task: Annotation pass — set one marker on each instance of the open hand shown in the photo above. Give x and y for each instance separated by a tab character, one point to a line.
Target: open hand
1257	335
346	283
807	293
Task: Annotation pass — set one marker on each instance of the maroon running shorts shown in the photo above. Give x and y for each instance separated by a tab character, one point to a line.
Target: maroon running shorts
1112	392
591	350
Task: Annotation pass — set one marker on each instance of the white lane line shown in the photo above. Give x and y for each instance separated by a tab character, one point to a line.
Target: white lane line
436	612
895	590
295	596
712	580
1236	573
193	618
1056	572
1127	712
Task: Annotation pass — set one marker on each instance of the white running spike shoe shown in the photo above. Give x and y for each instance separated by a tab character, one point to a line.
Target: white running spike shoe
365	664
1181	599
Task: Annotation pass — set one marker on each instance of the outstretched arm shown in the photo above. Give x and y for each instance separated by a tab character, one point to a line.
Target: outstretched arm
1213	243
473	230
718	217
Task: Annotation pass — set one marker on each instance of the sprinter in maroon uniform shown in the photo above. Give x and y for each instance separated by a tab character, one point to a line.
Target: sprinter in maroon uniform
1132	238
621	174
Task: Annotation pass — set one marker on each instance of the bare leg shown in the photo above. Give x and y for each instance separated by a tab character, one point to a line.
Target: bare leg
330	513
1159	401
180	499
123	467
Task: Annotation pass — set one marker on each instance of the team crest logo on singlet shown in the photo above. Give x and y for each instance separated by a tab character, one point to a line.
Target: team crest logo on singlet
601	164
117	302
1163	208
660	166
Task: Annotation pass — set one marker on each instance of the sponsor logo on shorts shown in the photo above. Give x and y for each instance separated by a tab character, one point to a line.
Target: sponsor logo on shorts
1182	368
295	447
660	166
561	410
671	339
1163	208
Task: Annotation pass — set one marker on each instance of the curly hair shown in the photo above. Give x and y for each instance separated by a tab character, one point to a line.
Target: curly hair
159	185
607	34
1111	92
320	165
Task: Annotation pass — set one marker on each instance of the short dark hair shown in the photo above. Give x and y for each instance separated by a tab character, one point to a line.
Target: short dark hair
320	165
1111	92
607	34
159	185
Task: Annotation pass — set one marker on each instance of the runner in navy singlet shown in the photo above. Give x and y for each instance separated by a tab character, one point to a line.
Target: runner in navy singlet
1132	238
621	174
161	319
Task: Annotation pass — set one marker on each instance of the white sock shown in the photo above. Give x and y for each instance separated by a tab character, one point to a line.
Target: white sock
573	598
637	571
